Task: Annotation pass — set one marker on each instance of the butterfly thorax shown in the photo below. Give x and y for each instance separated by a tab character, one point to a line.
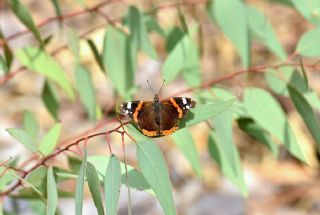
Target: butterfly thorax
156	108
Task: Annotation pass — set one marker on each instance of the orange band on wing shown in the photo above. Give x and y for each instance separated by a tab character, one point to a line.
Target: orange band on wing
170	131
149	133
136	112
177	106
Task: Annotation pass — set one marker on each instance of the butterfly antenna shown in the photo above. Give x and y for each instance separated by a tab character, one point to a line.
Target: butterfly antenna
164	80
150	87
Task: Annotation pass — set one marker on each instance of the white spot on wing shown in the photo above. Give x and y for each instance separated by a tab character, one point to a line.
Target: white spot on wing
184	100
129	105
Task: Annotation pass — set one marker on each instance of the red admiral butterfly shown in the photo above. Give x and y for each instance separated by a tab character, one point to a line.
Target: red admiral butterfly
158	118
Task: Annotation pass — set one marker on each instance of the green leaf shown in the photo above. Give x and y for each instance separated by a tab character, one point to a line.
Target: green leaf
236	29
74	43
139	34
57	9
278	80
80	185
3	67
313	99
24	138
86	90
50	140
112	183
262	30
153	168
96	54
94	187
42	63
183	57
309	43
307	114
185	143
47	40
37	206
310	9
24	16
121	64
6	177
207	111
267	112
226	154
182	20
254	130
1	208
7	52
136	179
27	184
52	194
30	124
37	177
50	99
173	37
305	77
152	24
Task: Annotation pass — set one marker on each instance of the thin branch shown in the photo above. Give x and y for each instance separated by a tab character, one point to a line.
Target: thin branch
43	161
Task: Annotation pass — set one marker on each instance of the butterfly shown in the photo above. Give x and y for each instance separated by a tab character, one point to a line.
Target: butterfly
157	118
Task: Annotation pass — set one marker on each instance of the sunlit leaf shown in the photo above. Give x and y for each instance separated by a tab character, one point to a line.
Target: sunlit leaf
153	168
262	30
267	112
74	43
30	124
185	143
50	140
86	90
310	9
236	29
112	183
278	80
223	150
24	138
27	184
139	34
120	64
6	177
136	179
204	112
309	43
94	187
42	63
80	185
52	194
183	58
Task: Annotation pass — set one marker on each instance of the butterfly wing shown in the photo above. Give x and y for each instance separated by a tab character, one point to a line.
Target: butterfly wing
172	111
126	110
169	118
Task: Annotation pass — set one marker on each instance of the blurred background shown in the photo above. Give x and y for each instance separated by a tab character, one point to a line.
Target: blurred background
277	185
